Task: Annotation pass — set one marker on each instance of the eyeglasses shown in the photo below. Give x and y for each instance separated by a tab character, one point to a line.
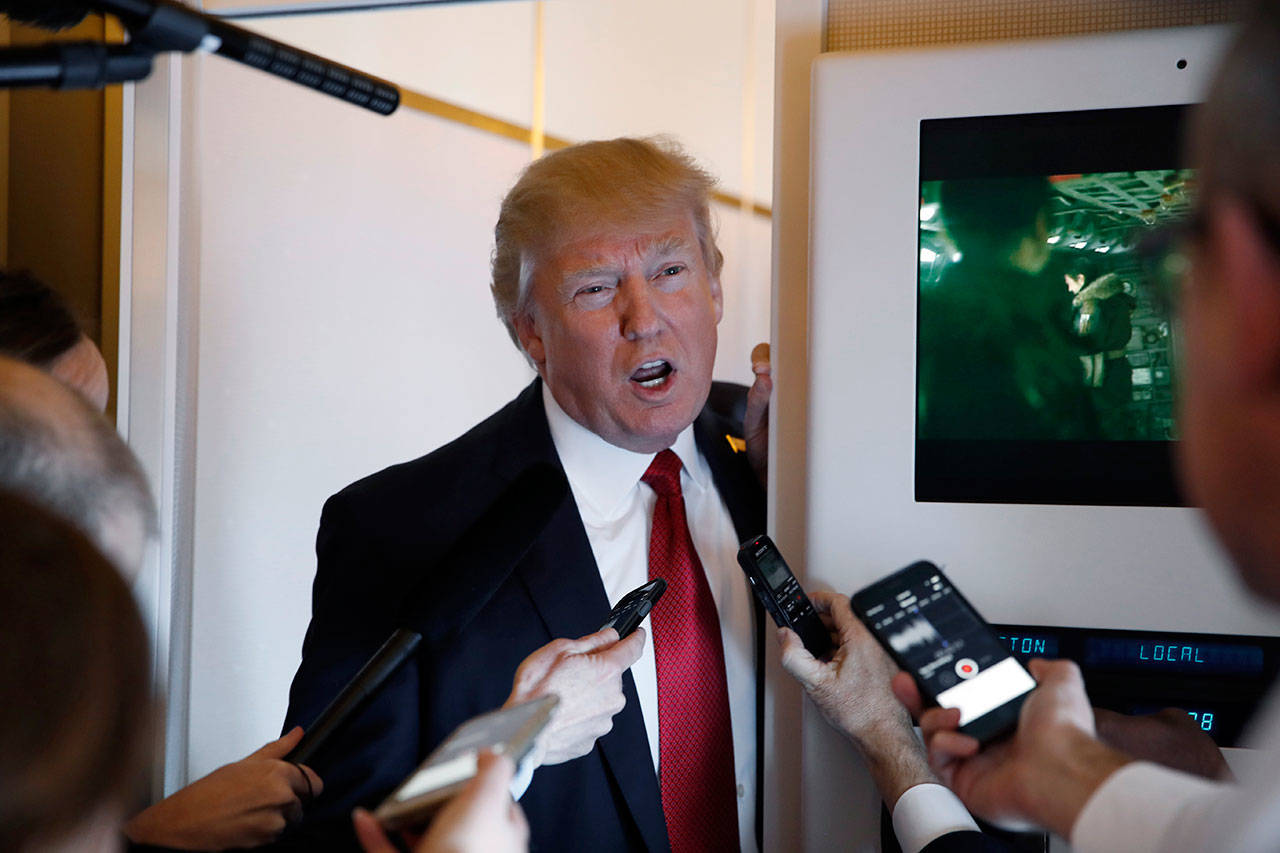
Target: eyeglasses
1165	256
1165	253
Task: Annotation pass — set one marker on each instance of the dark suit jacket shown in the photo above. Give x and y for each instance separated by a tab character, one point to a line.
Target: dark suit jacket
381	535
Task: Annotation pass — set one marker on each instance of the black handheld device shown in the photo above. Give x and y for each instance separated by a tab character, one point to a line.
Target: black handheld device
634	606
956	658
781	595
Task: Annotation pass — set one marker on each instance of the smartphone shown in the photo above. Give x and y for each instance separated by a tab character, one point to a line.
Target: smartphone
634	606
957	660
507	731
781	595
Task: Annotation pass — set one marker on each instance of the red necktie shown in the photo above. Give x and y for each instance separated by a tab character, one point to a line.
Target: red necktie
695	741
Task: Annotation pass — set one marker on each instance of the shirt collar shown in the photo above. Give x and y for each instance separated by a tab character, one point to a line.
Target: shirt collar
603	475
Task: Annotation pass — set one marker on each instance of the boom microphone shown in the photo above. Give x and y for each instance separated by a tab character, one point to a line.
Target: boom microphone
158	26
45	14
476	564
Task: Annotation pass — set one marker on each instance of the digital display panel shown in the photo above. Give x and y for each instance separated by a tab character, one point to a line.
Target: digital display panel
1027	646
1045	369
939	638
1218	679
1207	720
1171	655
775	571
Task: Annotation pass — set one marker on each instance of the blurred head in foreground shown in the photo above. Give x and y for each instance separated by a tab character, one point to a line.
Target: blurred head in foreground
74	687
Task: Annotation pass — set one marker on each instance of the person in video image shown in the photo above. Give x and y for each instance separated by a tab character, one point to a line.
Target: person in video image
1103	306
998	358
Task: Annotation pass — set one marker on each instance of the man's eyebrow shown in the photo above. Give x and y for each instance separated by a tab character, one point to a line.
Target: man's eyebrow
667	245
591	271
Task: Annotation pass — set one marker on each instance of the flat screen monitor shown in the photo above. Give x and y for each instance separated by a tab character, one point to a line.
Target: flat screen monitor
1045	349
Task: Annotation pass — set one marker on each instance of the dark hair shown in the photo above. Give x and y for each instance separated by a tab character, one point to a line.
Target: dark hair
36	324
75	697
992	215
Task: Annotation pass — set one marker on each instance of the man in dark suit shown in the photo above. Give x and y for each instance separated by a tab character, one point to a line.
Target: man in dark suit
618	316
606	274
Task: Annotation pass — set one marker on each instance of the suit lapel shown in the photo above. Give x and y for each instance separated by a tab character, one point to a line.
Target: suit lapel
562	579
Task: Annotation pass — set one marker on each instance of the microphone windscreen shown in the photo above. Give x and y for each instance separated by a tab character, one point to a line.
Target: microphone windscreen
463	580
45	14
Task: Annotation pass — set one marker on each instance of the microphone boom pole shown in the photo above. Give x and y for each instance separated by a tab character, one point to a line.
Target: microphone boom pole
162	26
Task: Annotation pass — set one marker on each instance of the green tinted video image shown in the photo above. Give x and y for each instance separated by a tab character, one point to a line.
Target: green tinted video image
1036	319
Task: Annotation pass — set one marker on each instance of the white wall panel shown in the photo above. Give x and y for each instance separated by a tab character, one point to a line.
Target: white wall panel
345	324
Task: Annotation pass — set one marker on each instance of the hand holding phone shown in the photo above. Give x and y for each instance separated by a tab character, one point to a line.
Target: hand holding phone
956	659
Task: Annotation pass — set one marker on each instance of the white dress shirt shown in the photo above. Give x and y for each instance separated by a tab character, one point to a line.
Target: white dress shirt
1146	808
616	510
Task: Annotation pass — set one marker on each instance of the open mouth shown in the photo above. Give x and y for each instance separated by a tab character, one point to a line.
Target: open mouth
652	374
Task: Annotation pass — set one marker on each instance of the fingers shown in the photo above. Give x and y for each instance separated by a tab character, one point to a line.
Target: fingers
908	693
623	653
493	775
1055	672
937	720
846	624
370	835
796	659
304	781
945	744
760	357
946	748
592	642
280	747
822	600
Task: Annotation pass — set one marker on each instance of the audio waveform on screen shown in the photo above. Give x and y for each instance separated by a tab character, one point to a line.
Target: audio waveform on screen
917	632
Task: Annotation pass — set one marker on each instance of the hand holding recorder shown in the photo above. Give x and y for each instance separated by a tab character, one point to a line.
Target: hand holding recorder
852	690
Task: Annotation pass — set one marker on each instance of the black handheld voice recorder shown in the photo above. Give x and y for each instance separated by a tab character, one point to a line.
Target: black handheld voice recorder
781	595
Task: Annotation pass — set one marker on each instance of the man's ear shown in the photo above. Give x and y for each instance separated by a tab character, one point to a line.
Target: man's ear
1249	272
717	297
530	338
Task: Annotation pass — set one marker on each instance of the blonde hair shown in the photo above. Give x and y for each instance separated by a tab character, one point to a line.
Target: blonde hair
611	182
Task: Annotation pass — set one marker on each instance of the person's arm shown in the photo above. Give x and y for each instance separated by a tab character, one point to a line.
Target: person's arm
244	804
852	691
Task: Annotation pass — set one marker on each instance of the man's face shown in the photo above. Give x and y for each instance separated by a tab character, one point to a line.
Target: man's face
1228	452
621	325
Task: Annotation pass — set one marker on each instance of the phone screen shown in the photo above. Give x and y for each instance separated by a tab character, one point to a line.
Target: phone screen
954	655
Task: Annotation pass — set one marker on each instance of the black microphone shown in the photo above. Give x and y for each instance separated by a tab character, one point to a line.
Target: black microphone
477	563
45	14
160	26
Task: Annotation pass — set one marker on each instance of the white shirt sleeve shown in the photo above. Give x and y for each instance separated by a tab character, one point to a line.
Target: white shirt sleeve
523	776
926	812
1145	808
